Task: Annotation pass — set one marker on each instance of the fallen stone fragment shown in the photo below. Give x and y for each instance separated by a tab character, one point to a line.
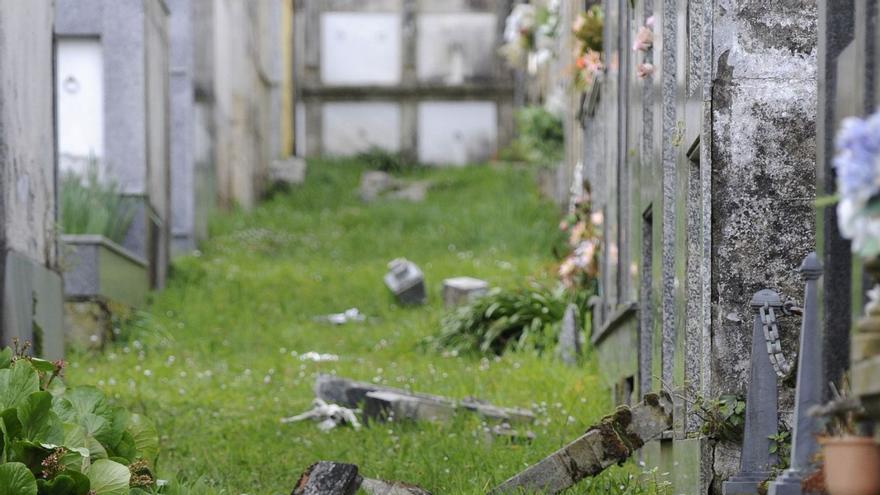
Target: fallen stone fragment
514	436
406	281
317	357
611	441
498	414
329	416
459	290
376	184
352	394
328	478
383	405
347	316
380	487
569	347
289	171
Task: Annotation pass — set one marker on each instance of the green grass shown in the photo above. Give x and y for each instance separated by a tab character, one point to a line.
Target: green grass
210	359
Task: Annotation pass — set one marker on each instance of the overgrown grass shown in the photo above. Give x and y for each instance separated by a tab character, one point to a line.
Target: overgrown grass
212	359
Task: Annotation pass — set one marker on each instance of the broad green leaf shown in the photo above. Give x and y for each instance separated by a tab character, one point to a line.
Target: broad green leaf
64	483
125	449
31	454
36	418
42	365
108	478
16	479
118	421
96	450
17	383
145	436
5	358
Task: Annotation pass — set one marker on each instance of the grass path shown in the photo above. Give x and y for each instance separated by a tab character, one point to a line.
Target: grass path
214	359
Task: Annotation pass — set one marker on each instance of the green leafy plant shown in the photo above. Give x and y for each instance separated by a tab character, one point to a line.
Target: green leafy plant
92	206
67	441
539	137
526	318
723	418
780	444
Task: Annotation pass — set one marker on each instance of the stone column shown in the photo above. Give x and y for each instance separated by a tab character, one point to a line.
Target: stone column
761	405
810	385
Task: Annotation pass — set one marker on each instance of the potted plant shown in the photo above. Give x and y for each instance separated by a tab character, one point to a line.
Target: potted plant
850	461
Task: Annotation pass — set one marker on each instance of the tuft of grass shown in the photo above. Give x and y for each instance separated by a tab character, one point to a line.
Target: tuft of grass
215	360
92	206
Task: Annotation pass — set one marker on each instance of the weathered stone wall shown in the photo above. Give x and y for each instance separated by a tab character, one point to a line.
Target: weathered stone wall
237	77
705	174
30	286
763	163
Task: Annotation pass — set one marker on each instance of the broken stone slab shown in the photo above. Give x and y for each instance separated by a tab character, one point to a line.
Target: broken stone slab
611	441
289	171
376	184
384	405
328	478
352	394
506	432
406	281
489	412
380	487
459	290
569	347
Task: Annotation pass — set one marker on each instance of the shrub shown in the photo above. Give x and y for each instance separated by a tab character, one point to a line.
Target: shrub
526	318
540	137
92	206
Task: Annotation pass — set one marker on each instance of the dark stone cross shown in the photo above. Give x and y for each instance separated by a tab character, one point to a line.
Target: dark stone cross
761	404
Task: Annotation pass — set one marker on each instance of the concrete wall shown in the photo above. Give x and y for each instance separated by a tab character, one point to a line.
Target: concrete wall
135	155
237	81
705	174
30	287
430	67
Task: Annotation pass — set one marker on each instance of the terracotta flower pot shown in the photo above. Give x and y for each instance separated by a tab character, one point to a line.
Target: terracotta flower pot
852	465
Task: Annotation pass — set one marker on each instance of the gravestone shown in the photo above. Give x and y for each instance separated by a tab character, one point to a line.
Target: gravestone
569	337
392	406
459	290
406	281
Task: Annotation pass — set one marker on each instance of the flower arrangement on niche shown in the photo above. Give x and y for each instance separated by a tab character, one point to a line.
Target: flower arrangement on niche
643	42
529	33
587	30
857	163
580	267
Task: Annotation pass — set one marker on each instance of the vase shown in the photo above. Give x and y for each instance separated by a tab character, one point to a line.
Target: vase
852	465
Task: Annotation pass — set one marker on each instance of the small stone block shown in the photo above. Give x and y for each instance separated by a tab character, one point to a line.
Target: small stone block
380	487
459	290
406	281
328	478
499	414
290	171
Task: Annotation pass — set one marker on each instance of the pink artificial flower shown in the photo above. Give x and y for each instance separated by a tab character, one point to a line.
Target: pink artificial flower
644	70
644	39
596	218
649	22
563	225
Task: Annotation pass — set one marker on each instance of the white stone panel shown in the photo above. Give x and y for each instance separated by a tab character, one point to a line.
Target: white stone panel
351	127
80	90
360	48
457	132
455	48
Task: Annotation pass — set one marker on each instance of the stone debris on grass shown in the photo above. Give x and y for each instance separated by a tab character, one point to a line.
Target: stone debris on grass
406	281
289	171
328	478
569	348
610	441
329	416
460	290
376	184
410	405
381	487
317	357
510	434
336	478
347	316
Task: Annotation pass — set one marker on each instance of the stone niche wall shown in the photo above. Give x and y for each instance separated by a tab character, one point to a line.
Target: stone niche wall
421	78
30	285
